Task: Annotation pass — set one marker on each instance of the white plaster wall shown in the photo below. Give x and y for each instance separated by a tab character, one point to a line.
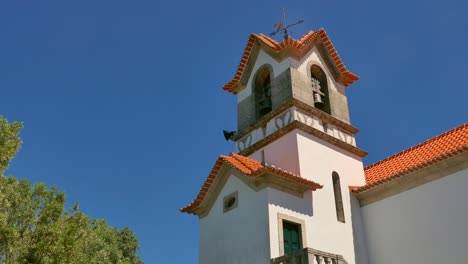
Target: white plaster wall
284	203
427	224
239	236
262	59
360	242
316	123
322	235
257	156
318	159
282	153
315	159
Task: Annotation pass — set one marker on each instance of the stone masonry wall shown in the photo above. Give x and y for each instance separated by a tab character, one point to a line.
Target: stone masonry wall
292	84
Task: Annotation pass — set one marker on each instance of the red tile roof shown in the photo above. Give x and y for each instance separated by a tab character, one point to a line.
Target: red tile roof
293	46
436	149
250	168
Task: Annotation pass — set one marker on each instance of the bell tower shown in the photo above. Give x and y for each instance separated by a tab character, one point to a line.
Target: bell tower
273	79
293	84
284	196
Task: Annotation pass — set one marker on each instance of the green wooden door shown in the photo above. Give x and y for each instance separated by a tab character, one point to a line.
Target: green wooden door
292	238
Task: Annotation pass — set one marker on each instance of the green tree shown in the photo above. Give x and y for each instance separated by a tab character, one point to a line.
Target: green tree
9	142
35	227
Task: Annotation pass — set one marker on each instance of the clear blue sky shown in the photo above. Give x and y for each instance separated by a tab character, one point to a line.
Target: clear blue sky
123	107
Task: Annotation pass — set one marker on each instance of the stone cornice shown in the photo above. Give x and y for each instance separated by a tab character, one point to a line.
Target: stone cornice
310	130
253	173
292	48
258	183
300	105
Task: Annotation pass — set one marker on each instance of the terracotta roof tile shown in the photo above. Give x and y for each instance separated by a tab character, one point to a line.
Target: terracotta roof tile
439	148
299	45
249	167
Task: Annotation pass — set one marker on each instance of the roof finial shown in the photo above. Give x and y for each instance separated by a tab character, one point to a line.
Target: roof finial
281	27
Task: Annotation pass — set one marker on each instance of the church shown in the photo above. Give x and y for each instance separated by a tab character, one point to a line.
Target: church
296	191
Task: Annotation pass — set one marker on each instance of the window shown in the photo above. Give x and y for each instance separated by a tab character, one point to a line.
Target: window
338	198
262	90
319	82
230	202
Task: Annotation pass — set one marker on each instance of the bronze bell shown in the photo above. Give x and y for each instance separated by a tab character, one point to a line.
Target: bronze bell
318	100
265	106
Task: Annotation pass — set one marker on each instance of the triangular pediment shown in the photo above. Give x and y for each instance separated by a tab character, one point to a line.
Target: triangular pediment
251	172
289	48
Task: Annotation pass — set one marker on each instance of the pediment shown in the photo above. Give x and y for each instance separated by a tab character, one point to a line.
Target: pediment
289	48
251	172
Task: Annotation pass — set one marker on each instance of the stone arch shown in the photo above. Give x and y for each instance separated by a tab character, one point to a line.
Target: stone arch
316	72
262	90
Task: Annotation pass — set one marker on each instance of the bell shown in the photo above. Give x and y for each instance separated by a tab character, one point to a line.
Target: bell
265	106
266	103
318	100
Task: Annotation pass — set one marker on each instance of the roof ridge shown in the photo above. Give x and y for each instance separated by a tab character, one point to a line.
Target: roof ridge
427	141
415	167
267	38
291	46
237	161
307	38
230	160
307	35
235	156
282	170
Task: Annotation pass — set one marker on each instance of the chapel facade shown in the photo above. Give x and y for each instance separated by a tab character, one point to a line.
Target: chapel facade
296	190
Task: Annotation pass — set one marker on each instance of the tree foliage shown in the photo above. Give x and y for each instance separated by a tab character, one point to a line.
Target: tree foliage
9	142
35	227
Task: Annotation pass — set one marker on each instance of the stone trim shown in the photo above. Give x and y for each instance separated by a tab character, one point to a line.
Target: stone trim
257	184
253	173
414	179
302	226
300	105
226	200
335	72
208	201
310	130
310	256
291	48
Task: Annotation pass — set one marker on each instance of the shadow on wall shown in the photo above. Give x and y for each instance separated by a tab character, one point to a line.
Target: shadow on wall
290	202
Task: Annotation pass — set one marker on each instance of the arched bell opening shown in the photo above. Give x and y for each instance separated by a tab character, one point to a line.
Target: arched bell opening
262	92
320	89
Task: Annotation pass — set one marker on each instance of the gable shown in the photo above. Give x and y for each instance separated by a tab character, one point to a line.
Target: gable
289	48
253	173
231	182
260	58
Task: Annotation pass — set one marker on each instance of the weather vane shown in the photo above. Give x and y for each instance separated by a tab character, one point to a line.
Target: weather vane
281	27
